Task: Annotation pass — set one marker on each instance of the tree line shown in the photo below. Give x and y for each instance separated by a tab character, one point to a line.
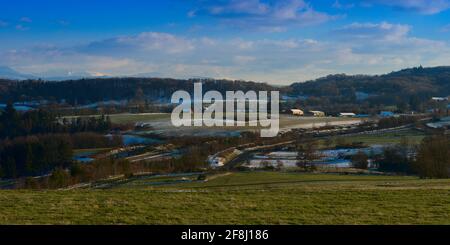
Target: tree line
35	142
85	91
14	124
408	90
39	154
431	159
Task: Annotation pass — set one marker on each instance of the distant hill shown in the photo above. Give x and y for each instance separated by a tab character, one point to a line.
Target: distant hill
408	89
415	81
402	91
91	90
8	73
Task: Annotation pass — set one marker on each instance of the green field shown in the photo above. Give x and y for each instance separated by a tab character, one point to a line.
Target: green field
239	198
413	136
286	121
124	118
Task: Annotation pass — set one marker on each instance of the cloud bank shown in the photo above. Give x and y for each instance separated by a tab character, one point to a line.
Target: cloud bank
356	48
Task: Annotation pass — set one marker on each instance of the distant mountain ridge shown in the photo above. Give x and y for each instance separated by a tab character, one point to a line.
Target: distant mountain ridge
411	81
411	86
8	73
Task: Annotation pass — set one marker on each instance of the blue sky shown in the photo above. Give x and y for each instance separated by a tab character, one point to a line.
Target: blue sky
261	40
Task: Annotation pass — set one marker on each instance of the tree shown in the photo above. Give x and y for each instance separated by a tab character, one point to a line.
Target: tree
10	121
59	178
360	160
10	168
306	154
433	158
395	160
29	159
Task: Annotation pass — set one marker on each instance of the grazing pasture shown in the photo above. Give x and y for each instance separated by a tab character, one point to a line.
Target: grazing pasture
239	198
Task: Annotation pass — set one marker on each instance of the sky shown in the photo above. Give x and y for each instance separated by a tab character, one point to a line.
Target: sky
278	42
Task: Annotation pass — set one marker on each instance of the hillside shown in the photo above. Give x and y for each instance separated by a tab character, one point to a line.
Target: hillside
415	81
100	89
239	198
411	87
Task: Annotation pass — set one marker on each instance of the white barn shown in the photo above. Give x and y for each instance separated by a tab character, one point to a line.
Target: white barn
347	114
297	112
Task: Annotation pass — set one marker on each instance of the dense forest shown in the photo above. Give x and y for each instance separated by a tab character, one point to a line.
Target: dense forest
86	91
35	142
14	124
406	89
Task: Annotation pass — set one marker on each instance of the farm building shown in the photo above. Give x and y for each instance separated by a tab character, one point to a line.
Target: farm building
439	98
386	114
297	112
317	113
347	114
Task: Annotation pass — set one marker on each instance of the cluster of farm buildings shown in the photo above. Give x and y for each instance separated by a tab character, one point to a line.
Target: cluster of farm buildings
299	112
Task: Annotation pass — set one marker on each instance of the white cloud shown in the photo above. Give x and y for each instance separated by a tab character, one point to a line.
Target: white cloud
26	20
243	60
149	41
274	16
427	7
20	27
252	7
357	48
140	44
338	5
379	31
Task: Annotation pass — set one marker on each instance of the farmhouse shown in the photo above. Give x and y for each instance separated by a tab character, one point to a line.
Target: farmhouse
297	112
439	98
347	114
317	113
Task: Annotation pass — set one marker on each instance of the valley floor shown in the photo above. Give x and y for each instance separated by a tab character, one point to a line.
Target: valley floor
239	198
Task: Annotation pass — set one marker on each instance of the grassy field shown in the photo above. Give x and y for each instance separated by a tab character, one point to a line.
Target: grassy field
285	120
90	150
124	118
413	136
240	198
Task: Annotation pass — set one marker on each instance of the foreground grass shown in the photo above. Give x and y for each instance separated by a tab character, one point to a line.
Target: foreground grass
242	198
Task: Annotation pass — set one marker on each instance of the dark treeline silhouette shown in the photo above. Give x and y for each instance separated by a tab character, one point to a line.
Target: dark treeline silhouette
14	124
433	157
409	89
78	173
34	155
35	142
392	122
87	91
100	169
87	140
39	154
395	159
